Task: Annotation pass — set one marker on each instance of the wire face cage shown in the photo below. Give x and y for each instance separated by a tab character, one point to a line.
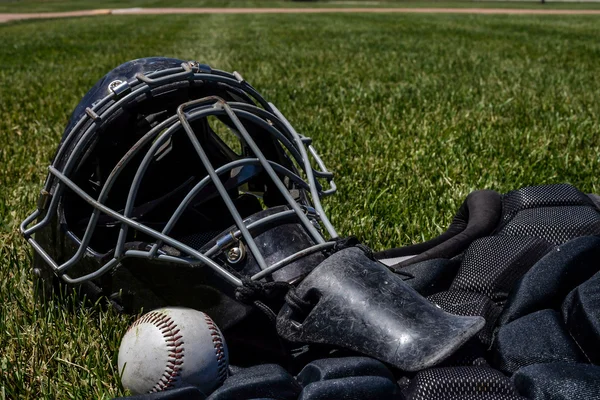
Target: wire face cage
193	165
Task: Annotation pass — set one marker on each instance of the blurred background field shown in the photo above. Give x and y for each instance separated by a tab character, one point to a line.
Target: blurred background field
412	113
14	6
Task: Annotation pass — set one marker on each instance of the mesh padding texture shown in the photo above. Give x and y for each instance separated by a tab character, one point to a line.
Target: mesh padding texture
559	381
541	196
492	265
537	338
555	224
197	240
460	383
535	221
581	314
470	304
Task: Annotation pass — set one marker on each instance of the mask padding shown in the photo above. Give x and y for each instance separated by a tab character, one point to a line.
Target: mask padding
461	383
478	216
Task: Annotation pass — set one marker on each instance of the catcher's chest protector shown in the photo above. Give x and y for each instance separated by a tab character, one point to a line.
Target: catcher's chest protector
528	262
530	266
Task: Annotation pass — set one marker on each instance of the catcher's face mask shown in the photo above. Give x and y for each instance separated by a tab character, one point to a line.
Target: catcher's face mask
171	174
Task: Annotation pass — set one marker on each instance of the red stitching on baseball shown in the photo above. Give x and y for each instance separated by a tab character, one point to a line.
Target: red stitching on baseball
170	332
219	348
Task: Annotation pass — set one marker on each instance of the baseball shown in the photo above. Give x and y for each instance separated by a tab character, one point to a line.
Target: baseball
173	347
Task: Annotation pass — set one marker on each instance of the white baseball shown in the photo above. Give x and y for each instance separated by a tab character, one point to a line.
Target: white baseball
172	347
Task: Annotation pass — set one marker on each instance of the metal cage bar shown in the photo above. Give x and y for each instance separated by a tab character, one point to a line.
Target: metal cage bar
309	172
218	184
268	118
144	229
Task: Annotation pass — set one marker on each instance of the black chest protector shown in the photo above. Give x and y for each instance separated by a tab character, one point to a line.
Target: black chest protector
528	262
520	273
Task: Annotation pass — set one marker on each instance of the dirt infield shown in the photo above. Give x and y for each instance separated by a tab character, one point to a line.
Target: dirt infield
147	11
67	14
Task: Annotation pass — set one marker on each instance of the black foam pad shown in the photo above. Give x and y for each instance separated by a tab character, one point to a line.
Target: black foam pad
540	337
558	381
581	313
431	276
334	368
182	393
352	388
547	283
261	381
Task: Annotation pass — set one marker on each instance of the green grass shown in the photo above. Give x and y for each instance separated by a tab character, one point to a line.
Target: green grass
412	112
13	6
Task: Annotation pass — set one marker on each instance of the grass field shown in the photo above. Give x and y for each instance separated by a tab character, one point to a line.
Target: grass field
13	6
412	112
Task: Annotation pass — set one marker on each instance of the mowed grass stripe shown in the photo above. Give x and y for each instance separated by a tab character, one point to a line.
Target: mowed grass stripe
412	112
